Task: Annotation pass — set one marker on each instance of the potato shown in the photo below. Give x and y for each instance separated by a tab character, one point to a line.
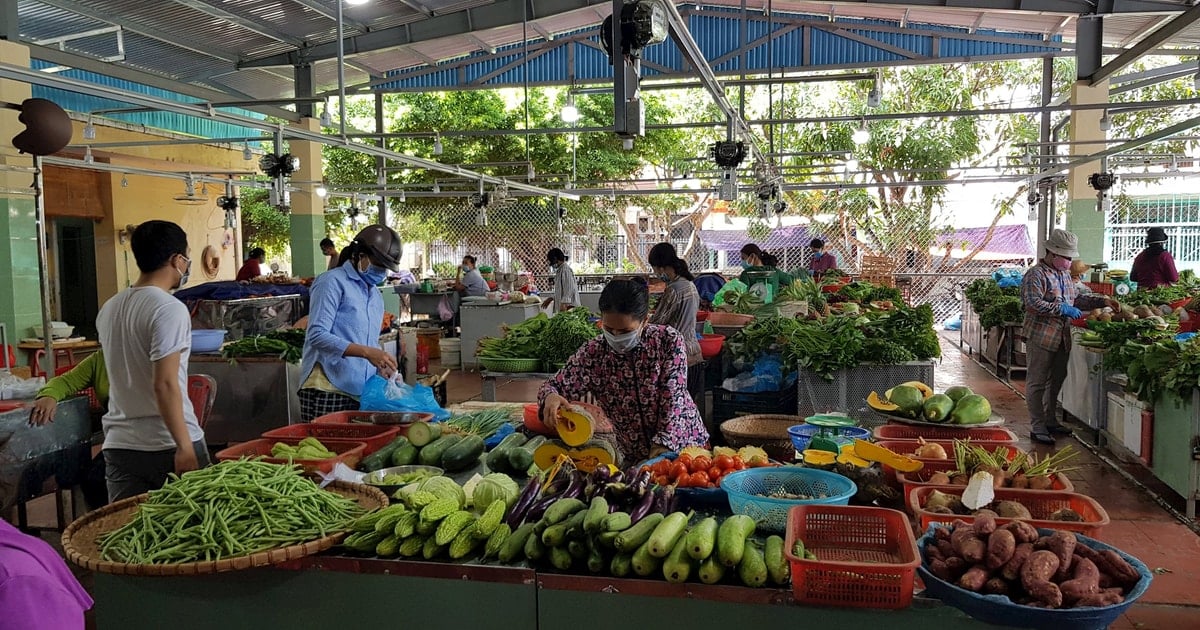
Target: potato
1012	568
941	570
933	553
974	579
1085	580
968	546
938	478
985	523
941	533
1022	531
1012	509
1097	600
1035	577
1000	548
946	548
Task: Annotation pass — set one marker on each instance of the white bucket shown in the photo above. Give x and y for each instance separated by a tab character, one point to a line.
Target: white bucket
451	348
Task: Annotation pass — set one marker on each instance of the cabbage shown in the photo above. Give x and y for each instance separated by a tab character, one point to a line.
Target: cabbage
443	488
495	487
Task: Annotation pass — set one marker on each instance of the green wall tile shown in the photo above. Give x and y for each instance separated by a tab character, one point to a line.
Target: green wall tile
1088	225
307	231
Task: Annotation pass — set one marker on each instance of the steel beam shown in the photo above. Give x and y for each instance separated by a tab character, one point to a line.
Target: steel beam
255	26
9	23
304	82
320	9
1076	7
1145	45
1089	46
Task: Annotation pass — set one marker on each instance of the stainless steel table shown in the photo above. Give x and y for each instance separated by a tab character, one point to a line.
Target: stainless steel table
31	456
253	395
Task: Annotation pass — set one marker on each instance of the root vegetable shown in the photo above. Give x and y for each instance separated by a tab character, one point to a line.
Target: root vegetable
1035	577
1011	509
968	546
1122	572
985	523
1019	481
1012	568
997	586
1022	531
1105	598
938	478
937	499
997	473
940	569
959	479
974	579
1000	548
1066	515
931	450
1085	580
940	509
942	533
933	553
1040	482
946	548
1062	544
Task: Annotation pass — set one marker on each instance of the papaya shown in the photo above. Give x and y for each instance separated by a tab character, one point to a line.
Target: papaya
926	391
909	399
937	408
879	404
958	391
971	409
586	456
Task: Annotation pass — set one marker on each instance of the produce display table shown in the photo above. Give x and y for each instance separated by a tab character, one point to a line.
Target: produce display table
1085	391
254	395
479	321
1176	430
849	389
329	591
489	380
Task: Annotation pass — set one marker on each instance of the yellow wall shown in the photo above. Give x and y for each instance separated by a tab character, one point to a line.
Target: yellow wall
146	198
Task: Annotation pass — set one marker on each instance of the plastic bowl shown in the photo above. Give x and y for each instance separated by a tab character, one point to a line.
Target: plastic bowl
207	340
747	490
374	478
802	434
702	316
710	345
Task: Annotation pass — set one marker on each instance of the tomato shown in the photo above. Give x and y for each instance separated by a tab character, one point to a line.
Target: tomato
738	464
661	467
724	462
698	480
714	474
701	464
685	459
662	480
678	469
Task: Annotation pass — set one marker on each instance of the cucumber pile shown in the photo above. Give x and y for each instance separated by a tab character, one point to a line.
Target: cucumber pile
429	445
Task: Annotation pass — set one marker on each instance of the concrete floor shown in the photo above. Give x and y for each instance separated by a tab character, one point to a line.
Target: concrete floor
1140	526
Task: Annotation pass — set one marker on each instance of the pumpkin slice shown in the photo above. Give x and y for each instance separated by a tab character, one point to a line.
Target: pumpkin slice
879	404
875	453
587	457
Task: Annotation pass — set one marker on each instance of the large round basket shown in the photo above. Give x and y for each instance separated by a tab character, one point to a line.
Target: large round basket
492	364
81	539
766	431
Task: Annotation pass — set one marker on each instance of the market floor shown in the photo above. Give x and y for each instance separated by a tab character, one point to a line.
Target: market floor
1139	524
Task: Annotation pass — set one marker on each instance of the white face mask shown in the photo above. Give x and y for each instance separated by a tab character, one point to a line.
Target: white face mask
624	342
183	275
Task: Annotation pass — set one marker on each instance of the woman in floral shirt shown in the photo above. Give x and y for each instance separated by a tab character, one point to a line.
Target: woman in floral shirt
637	373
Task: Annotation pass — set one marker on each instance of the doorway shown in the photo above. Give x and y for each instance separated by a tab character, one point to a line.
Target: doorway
76	264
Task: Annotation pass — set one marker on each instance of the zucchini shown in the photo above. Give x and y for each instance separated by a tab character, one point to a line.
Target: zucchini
422	433
595	515
731	539
632	538
560	558
405	455
711	570
666	534
595	560
534	549
616	522
379	459
702	539
621	565
514	545
644	564
497	459
753	568
520	458
678	565
577	549
462	455
561	509
431	454
777	565
608	540
556	535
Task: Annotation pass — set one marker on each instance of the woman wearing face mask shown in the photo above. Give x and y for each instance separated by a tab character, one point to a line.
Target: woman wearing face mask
755	259
1154	267
566	290
636	372
341	349
680	301
822	260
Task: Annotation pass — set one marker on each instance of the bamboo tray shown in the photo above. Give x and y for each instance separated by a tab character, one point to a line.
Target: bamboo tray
81	539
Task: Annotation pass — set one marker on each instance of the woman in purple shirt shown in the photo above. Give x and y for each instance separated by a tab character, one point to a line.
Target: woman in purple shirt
37	589
822	260
1154	267
637	373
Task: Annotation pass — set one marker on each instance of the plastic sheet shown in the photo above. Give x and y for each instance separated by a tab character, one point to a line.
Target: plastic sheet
30	456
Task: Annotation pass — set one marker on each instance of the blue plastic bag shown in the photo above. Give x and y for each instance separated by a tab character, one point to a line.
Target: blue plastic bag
1006	278
380	394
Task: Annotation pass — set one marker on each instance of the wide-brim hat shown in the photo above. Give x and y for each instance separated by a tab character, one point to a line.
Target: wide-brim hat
1063	243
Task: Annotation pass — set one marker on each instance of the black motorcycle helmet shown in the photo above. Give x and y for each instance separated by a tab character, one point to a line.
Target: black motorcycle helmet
381	244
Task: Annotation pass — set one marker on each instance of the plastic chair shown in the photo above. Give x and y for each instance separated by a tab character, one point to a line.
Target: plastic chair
202	391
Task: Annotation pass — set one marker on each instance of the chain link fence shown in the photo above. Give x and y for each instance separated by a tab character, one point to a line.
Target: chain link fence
1131	216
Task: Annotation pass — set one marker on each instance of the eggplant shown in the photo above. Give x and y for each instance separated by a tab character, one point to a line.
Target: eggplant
527	497
616	493
663	500
641	482
539	508
643	508
617	477
574	487
601	474
558	485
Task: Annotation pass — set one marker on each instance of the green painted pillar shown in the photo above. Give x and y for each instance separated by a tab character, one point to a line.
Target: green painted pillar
1083	217
308	210
20	295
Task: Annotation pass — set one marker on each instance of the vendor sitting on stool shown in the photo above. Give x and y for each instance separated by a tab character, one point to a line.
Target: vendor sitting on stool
470	282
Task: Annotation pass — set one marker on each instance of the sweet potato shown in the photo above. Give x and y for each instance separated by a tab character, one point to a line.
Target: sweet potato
1000	549
968	546
997	586
1012	568
1041	543
1063	544
933	553
939	569
1104	598
974	579
941	533
985	523
946	548
956	566
1085	581
1022	531
1035	577
1123	573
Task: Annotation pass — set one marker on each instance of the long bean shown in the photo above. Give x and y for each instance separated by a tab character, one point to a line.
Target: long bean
231	509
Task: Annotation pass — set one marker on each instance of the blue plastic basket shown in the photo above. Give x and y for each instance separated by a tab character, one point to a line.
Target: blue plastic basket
1000	610
693	497
747	490
802	434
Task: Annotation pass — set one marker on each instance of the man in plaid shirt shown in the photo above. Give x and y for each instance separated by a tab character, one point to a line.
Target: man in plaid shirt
1049	296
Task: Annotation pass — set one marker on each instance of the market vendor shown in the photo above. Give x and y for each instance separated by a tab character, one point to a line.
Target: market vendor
1154	267
341	349
821	260
87	374
566	291
754	259
637	374
680	301
469	281
1051	301
252	268
330	251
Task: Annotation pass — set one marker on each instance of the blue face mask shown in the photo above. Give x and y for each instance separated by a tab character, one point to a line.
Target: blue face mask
466	269
746	265
374	275
818	254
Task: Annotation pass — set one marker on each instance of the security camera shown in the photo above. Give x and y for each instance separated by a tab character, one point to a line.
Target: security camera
1102	181
1034	198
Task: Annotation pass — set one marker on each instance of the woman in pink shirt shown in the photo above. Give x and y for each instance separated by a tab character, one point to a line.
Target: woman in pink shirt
1154	267
37	590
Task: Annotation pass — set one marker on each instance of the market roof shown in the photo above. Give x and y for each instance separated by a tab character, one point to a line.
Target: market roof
242	48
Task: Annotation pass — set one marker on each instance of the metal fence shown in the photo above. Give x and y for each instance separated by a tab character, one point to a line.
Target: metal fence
1130	218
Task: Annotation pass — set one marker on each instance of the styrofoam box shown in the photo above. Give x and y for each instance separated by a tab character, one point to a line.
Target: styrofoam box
1116	417
1133	423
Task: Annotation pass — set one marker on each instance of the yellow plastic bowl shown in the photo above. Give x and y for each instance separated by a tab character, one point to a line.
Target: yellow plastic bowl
819	458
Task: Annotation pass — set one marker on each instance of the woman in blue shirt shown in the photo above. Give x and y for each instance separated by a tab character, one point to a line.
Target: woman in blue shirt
341	349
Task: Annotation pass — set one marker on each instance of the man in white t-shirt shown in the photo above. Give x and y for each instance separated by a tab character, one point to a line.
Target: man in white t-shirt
150	429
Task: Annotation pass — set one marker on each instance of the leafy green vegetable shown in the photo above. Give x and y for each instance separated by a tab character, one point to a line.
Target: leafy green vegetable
883	351
1002	310
1184	374
519	342
911	327
742	302
482	423
1155	296
565	334
285	344
984	291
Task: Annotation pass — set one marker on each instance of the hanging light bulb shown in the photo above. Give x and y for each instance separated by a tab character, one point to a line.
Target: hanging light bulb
89	130
862	135
437	145
1174	164
401	198
1105	122
570	113
87	156
326	119
321	191
124	181
246	154
356	2
851	165
873	96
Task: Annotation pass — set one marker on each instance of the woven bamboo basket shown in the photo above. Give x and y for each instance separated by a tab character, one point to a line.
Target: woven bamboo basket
81	539
766	431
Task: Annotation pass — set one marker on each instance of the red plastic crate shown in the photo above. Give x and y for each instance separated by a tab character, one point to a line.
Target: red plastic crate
866	557
1103	288
914	432
1080	322
373	436
1180	303
1041	504
362	418
914	480
1191	325
348	453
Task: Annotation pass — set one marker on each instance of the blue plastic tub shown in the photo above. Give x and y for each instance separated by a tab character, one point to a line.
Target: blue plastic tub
694	497
1000	610
802	434
207	340
747	490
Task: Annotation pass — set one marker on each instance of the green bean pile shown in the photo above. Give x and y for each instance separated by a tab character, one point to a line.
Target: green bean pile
235	508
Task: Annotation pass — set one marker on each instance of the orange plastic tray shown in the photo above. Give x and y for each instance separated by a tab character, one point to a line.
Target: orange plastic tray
348	453
866	557
911	481
373	436
359	417
1041	504
897	431
906	447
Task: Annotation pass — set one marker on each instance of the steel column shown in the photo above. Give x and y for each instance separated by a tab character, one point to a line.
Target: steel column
1045	217
1089	45
305	82
8	20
